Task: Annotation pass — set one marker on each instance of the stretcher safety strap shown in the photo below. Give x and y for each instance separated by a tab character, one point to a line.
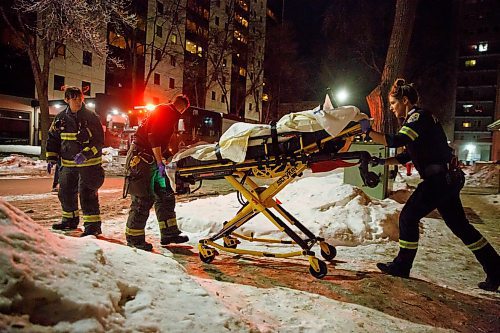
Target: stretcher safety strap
91	218
408	245
478	245
70	215
409	132
134	232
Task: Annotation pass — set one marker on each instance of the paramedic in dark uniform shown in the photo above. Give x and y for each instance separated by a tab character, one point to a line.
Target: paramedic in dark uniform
426	146
75	139
146	179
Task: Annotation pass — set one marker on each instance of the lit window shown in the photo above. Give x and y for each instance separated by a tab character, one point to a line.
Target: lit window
157	78
224	63
243	71
466	124
483	47
173	39
190	47
116	40
470	63
200	51
265	97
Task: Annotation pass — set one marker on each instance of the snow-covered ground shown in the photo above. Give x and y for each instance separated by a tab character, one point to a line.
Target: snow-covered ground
54	283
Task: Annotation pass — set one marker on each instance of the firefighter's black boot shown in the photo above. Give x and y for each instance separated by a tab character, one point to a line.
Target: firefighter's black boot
489	259
93	229
401	265
67	224
139	242
177	239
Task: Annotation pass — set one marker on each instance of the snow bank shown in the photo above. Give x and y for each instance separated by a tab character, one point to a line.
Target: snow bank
22	149
82	284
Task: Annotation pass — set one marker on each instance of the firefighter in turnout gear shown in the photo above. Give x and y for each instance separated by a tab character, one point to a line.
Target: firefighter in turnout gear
146	176
76	138
426	146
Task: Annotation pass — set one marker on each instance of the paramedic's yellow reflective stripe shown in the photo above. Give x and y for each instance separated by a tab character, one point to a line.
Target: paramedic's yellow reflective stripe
134	232
51	154
478	245
408	245
68	136
409	132
170	223
70	214
89	162
93	149
91	218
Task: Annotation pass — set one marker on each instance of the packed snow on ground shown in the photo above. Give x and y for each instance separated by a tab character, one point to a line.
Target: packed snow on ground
51	283
18	165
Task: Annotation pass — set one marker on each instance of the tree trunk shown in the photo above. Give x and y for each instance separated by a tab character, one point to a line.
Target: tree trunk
394	66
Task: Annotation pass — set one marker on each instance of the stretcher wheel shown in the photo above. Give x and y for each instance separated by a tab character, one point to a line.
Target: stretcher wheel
332	252
207	259
322	270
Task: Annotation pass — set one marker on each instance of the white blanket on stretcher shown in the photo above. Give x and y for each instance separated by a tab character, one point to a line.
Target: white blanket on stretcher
234	142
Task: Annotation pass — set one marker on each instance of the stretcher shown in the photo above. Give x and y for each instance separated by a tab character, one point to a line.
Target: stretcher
281	157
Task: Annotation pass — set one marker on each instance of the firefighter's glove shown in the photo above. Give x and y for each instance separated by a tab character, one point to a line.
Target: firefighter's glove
161	170
50	165
366	126
374	161
79	158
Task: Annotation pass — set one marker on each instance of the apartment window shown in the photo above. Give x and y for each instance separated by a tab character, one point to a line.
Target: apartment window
87	58
159	7
60	50
172	60
223	99
86	88
217	21
173	39
224	63
171	83
157	54
116	40
466	124
470	63
217	3
242	71
250	106
157	78
190	47
58	82
483	47
213	95
159	31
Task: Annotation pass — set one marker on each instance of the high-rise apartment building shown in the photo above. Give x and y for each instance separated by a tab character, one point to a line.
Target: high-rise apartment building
478	80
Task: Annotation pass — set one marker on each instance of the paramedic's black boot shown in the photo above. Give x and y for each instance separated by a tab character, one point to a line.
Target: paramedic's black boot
489	259
67	224
401	265
92	230
177	239
139	242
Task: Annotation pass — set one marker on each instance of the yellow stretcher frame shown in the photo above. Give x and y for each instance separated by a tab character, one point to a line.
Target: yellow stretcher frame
260	200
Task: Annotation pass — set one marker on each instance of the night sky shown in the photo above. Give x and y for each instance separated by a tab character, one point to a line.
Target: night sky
330	33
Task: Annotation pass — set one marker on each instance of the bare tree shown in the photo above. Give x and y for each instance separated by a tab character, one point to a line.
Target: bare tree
394	65
41	25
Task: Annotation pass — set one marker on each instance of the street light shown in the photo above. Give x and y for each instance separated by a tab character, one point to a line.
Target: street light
342	96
